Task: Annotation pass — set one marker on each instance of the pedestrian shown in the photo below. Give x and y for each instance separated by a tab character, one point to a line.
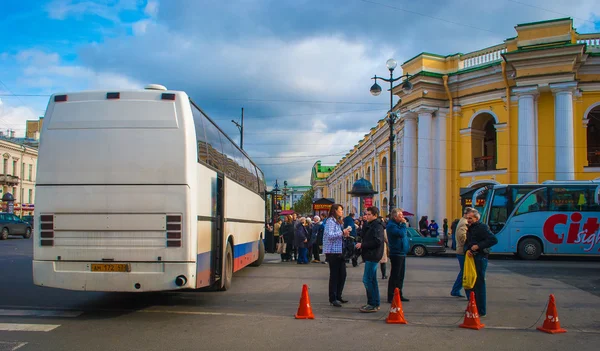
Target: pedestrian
433	229
453	229
333	235
349	222
460	237
372	251
316	229
384	259
423	224
287	230
397	231
301	240
479	240
445	229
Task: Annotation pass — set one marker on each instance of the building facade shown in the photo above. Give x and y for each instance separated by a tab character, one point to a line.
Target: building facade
524	111
19	166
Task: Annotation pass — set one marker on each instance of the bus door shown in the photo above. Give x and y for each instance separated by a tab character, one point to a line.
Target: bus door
217	230
529	218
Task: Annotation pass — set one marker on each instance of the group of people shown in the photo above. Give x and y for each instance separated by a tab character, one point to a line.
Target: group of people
432	229
372	246
302	237
472	238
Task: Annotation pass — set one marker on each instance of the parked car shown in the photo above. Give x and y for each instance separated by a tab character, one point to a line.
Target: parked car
420	245
28	219
13	225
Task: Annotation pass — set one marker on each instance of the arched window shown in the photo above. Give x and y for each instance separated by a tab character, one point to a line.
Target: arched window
368	175
593	137
384	207
483	142
383	175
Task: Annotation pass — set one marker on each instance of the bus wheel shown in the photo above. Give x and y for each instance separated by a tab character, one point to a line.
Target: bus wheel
261	254
4	234
530	249
228	271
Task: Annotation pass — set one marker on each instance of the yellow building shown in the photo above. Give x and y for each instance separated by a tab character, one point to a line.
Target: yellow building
524	111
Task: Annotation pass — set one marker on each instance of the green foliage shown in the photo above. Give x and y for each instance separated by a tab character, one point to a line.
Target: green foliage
304	205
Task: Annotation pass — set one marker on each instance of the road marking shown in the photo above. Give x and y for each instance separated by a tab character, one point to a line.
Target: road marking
39	313
28	327
11	346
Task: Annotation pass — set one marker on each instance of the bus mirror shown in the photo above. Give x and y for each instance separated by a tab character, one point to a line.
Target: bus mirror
478	193
597	195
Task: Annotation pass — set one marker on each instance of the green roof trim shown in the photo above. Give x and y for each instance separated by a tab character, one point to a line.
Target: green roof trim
594	54
542	22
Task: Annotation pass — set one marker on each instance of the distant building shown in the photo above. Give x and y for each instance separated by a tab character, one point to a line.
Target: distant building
18	169
34	128
293	194
318	179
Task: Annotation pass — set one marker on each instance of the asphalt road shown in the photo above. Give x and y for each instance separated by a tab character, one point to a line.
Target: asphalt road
257	313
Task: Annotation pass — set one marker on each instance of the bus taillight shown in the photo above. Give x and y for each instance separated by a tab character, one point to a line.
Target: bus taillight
47	230
173	230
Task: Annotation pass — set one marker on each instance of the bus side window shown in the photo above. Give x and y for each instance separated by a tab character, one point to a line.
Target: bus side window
215	147
535	202
592	203
569	199
200	134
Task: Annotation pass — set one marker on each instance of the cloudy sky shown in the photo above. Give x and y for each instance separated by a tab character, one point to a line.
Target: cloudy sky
301	69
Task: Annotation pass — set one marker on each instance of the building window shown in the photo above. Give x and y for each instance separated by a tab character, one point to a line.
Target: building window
483	143
14	191
593	137
22	170
5	167
369	173
30	196
14	168
383	175
30	172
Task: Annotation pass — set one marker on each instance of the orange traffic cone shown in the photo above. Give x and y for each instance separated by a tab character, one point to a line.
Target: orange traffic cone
551	323
472	315
396	315
304	309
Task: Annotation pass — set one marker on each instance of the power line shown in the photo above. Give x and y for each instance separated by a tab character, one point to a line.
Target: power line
299	101
428	16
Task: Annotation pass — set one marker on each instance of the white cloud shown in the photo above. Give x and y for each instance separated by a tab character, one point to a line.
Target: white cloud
151	8
61	9
15	118
139	27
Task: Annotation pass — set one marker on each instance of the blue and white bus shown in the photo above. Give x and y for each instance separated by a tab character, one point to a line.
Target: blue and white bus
553	218
139	190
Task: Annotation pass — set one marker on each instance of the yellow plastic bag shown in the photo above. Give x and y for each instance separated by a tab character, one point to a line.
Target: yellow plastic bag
469	273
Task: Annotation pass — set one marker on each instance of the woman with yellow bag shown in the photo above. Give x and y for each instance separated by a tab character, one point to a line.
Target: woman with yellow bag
479	240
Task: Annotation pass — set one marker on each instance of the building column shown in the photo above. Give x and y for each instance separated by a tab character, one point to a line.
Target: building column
563	130
527	145
424	166
439	163
409	167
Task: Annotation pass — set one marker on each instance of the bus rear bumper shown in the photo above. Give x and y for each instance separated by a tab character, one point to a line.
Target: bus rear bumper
140	277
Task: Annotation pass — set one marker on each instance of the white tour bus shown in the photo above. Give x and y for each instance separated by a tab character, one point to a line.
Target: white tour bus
141	191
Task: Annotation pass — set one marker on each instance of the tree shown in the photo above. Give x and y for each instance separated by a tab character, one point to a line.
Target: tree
304	205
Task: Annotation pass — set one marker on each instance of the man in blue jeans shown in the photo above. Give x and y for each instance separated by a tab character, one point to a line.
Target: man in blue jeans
479	239
372	252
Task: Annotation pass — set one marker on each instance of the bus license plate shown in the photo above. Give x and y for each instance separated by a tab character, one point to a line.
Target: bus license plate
110	267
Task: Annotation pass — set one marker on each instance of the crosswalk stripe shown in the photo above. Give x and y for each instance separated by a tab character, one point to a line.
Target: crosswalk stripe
11	346
28	327
39	313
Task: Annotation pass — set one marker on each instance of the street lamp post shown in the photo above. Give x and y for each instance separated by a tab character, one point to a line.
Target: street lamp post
241	129
285	190
274	212
392	117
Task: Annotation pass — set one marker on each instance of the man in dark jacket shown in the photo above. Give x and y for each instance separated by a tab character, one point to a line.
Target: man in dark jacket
399	246
349	222
372	252
479	240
